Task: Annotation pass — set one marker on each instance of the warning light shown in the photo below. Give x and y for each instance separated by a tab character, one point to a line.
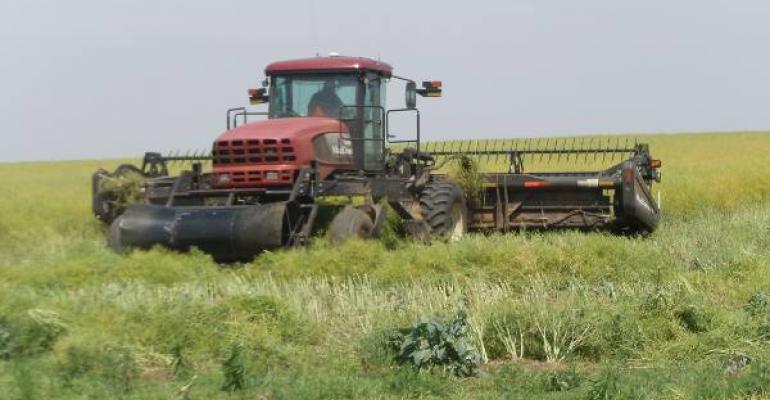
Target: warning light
258	96
430	89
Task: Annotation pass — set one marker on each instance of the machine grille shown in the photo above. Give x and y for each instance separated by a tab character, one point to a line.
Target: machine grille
261	176
253	151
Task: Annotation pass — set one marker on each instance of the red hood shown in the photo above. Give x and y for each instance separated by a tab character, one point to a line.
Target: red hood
284	128
270	152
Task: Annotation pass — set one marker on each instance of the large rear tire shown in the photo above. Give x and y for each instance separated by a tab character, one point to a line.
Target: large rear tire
444	210
350	223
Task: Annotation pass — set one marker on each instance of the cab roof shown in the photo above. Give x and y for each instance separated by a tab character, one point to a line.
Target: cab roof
329	64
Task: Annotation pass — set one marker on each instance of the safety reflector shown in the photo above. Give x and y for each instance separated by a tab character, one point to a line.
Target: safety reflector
534	184
629	175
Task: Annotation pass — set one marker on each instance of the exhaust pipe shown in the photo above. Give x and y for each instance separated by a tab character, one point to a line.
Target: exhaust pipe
232	233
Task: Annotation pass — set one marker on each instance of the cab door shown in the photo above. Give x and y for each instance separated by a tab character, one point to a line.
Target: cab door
373	121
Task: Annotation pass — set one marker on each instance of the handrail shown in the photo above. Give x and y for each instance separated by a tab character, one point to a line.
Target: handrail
387	126
234	113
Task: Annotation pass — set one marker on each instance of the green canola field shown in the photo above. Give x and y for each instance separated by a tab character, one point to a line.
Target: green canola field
681	314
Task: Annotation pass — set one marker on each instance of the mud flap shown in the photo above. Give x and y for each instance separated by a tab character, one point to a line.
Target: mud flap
235	233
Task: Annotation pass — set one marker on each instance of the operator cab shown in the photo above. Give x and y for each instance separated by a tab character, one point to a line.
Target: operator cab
349	89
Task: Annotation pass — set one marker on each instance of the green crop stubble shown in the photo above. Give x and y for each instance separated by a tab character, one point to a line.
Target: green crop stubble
657	317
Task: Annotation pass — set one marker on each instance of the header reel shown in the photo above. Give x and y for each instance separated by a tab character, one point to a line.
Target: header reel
556	153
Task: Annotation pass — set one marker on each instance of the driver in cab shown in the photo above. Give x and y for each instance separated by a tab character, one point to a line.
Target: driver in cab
325	102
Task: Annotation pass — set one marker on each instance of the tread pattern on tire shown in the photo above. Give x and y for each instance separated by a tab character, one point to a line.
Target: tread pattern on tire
436	202
349	223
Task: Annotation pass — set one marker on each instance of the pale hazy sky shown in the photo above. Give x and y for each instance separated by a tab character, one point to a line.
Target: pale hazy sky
107	78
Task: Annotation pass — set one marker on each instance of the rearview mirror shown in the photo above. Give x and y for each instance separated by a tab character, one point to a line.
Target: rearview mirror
411	95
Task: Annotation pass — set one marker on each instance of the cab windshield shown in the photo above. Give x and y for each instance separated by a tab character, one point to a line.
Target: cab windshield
312	95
